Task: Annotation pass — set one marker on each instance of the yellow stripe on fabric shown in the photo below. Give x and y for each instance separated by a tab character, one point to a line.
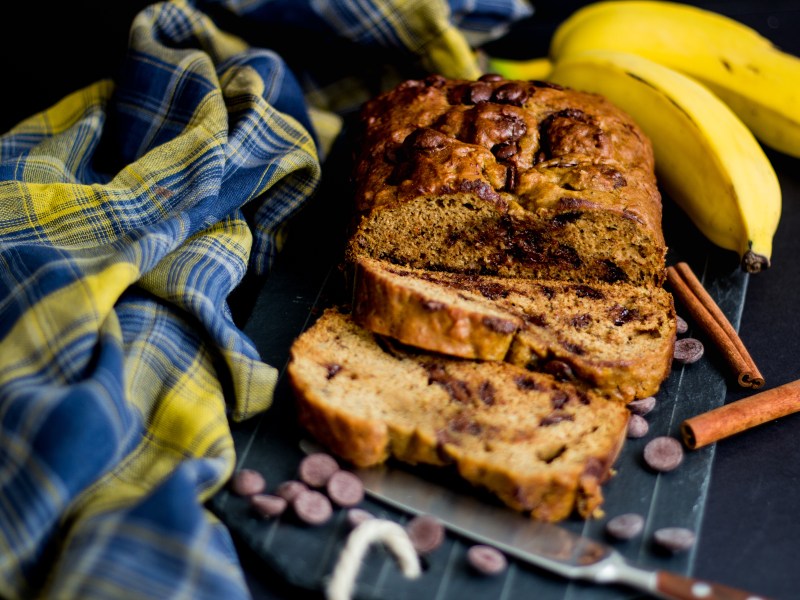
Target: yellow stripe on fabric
190	420
451	56
141	179
243	88
83	216
69	214
424	27
37	340
219	44
185	420
253	381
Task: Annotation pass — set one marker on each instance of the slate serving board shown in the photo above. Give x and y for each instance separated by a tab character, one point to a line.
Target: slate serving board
305	279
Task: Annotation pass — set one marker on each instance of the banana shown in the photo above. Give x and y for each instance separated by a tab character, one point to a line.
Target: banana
760	83
530	69
707	160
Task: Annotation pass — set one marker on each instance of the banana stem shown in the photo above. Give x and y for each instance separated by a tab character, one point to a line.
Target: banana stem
754	263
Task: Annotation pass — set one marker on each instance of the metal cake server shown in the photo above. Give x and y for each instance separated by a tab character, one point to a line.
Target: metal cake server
544	545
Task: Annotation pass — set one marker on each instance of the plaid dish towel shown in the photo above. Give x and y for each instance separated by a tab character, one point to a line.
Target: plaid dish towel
129	212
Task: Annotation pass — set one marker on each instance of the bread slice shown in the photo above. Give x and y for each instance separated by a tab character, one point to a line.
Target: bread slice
618	338
512	178
540	445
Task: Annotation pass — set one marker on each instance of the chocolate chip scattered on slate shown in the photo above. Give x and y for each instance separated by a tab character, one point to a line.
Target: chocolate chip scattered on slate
345	488
312	507
638	426
315	469
688	350
682	325
356	516
625	526
425	532
268	505
642	406
674	539
289	489
486	559
663	453
247	482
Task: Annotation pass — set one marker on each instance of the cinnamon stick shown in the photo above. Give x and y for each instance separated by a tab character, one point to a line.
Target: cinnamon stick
740	415
710	318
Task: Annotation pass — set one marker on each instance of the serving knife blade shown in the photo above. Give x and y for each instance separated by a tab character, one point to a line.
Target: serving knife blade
544	545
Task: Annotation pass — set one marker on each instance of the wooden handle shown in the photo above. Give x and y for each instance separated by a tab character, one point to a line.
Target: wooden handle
678	587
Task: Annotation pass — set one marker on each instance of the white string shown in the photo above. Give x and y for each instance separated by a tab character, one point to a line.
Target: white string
360	539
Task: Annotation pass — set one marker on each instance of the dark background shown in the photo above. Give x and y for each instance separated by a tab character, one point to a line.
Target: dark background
751	529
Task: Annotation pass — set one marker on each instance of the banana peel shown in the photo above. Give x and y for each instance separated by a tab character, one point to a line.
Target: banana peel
707	159
758	81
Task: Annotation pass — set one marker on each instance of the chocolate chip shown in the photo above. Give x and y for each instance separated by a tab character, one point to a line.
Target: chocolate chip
425	532
315	469
356	516
663	453
332	370
555	417
681	324
478	92
268	505
505	150
288	490
625	526
512	178
491	77
312	507
248	482
486	559
510	93
345	489
637	426
425	139
688	350
674	539
642	406
559	369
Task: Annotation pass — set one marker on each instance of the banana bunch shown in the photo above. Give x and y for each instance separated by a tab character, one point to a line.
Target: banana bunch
705	89
760	83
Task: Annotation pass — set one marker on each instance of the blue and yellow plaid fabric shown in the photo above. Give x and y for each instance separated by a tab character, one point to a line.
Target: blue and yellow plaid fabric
129	212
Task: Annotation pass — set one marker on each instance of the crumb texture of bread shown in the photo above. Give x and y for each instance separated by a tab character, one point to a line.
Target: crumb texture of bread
511	178
541	445
618	337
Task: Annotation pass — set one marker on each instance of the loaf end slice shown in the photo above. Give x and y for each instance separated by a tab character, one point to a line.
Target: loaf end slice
540	445
511	178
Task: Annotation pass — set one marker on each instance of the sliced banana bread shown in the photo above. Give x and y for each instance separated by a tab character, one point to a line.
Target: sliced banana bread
541	445
511	178
618	338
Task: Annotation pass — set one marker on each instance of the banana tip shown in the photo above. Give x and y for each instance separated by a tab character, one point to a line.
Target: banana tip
754	263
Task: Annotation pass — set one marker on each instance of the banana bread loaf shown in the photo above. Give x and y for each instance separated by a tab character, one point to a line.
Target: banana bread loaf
618	338
540	445
512	178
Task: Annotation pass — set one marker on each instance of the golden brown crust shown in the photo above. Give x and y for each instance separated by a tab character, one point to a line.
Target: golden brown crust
382	303
618	338
537	164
